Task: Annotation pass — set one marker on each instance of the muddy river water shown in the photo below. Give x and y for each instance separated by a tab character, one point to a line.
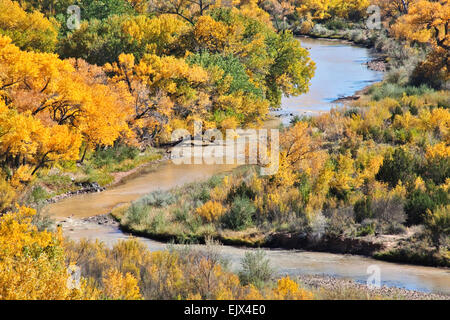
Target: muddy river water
340	72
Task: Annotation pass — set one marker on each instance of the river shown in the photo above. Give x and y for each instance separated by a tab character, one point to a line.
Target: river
340	72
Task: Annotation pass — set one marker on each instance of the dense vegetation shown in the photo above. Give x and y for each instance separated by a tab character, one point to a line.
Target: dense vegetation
80	105
34	266
373	169
128	81
41	265
380	167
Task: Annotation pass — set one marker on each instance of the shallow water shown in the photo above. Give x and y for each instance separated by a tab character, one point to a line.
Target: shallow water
296	262
164	176
339	73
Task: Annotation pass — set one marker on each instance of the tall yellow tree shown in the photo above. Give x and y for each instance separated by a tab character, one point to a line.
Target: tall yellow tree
29	30
428	22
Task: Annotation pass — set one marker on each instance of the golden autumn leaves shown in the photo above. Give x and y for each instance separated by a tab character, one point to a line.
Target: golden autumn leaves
49	107
33	266
428	22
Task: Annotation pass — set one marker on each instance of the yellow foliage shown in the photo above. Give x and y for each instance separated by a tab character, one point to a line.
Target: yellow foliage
343	179
118	287
425	22
21	176
7	194
229	123
325	9
419	184
31	262
211	211
28	30
288	289
439	150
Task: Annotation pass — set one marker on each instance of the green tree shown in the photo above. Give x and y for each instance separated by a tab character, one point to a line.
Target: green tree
400	166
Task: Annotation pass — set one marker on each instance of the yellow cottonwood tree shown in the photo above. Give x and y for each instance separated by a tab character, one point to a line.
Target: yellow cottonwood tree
428	22
157	86
31	263
29	31
119	287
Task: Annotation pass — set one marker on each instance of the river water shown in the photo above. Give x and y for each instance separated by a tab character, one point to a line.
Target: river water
339	73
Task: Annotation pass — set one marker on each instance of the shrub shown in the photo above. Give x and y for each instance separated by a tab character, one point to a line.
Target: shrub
158	222
289	289
416	206
389	210
7	194
437	223
395	228
336	24
396	91
116	154
367	228
181	214
136	213
57	181
420	202
242	190
43	221
211	211
398	75
306	27
363	209
99	176
240	214
319	29
437	169
340	222
256	269
158	198
203	195
39	194
400	166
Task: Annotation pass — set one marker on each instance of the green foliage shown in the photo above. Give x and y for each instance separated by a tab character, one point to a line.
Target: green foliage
157	223
39	194
400	166
437	224
363	210
239	217
336	24
415	252
366	229
136	213
438	170
98	42
57	181
304	186
242	190
102	9
158	198
231	67
396	91
419	202
102	177
108	156
256	269
291	60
